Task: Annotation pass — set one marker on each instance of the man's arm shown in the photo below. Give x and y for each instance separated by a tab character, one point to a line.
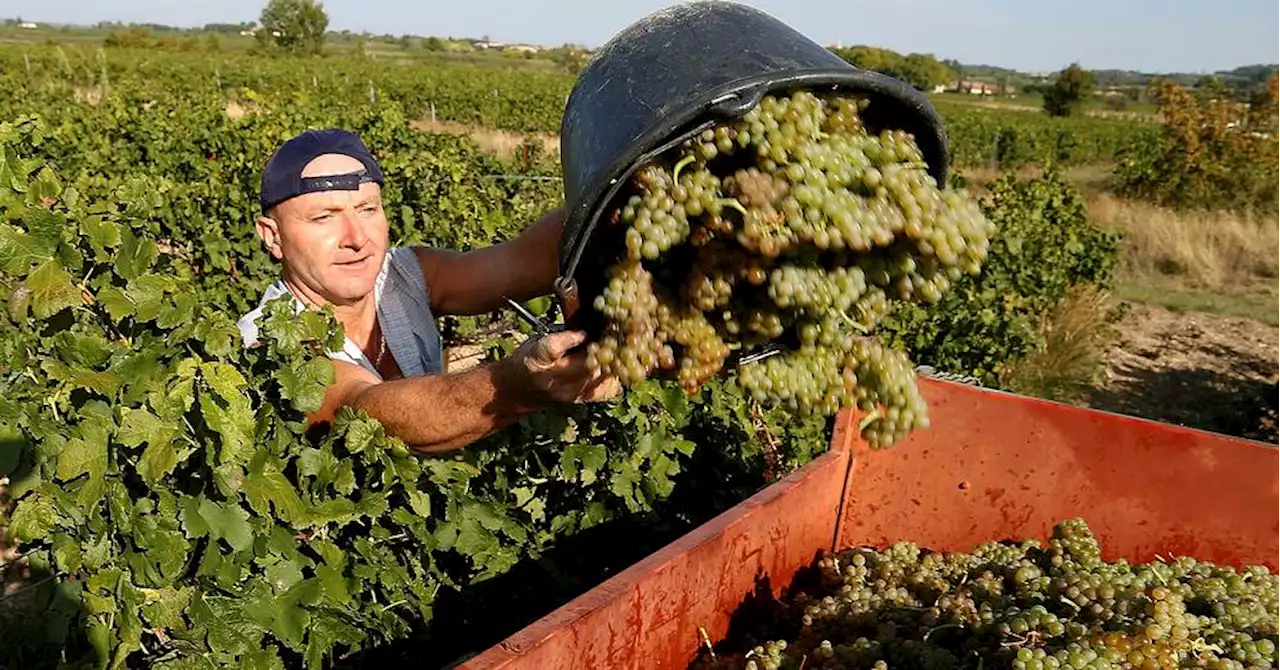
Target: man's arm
474	282
436	413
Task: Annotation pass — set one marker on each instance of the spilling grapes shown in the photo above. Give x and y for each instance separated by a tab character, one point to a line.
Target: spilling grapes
789	233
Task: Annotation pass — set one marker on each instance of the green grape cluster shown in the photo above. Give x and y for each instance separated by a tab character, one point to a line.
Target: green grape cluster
816	290
1025	606
796	226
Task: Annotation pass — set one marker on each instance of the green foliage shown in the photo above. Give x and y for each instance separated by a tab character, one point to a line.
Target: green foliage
1044	245
923	71
509	99
165	482
1072	87
293	26
999	139
1212	152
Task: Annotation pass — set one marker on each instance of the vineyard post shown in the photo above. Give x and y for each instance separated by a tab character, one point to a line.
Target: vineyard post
66	64
102	62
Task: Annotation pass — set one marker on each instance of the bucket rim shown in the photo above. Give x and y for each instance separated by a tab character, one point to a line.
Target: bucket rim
730	101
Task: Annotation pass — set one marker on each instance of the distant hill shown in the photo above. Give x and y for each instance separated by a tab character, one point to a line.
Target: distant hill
985	71
1243	76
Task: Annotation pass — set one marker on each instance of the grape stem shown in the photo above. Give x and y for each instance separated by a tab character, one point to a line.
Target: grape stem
732	203
675	173
770	442
856	326
870	417
706	641
938	628
1199	646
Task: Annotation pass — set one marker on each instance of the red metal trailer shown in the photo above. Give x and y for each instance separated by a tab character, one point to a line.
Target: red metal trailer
993	466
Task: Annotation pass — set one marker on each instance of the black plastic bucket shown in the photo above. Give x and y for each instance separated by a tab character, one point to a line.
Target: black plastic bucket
680	70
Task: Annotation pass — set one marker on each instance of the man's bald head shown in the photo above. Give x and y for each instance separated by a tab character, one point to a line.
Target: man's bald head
327	165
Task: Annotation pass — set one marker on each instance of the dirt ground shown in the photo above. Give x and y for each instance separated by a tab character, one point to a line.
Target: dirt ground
1205	371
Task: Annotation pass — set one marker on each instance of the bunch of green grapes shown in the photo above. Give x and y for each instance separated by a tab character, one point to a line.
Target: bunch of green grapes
1026	606
793	226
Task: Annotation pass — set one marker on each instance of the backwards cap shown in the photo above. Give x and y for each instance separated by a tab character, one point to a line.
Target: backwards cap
282	178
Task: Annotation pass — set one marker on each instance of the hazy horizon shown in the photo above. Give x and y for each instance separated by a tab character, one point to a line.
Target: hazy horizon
1141	35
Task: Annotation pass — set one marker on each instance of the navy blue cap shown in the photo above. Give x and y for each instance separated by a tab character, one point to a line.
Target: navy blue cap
282	178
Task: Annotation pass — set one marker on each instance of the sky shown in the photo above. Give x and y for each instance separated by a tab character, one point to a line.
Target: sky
1029	35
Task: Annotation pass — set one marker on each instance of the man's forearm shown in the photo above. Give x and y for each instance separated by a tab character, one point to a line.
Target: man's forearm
443	412
475	282
537	249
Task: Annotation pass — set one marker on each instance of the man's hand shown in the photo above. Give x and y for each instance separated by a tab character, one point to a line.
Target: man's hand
437	413
543	371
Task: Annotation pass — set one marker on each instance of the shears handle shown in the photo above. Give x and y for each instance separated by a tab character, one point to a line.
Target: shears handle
539	327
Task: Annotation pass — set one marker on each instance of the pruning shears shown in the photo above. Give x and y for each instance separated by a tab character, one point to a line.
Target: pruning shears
760	354
540	328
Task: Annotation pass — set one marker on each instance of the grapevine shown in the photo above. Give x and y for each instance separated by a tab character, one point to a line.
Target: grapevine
171	509
1025	605
795	225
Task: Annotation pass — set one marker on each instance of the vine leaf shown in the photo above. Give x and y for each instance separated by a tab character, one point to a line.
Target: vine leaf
51	290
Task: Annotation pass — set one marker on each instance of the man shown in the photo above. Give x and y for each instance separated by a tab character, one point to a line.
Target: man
323	220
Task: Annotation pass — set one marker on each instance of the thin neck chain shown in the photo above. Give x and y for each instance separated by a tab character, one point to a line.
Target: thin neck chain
382	346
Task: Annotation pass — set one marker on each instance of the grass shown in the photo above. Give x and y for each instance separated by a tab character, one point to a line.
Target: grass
1257	306
1216	262
501	143
1207	250
1034	103
1186	261
1073	359
1092	180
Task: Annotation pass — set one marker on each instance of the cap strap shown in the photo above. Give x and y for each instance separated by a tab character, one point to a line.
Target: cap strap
338	182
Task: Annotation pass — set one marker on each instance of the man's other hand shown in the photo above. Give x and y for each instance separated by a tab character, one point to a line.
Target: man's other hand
547	370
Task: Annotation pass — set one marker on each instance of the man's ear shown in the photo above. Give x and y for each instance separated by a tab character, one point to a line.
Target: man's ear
269	232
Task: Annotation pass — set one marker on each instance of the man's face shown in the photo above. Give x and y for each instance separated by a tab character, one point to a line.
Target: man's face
332	243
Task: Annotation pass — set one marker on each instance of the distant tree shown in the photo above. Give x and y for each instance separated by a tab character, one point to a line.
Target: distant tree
1118	101
294	26
1211	87
228	28
922	71
433	44
1072	87
135	37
